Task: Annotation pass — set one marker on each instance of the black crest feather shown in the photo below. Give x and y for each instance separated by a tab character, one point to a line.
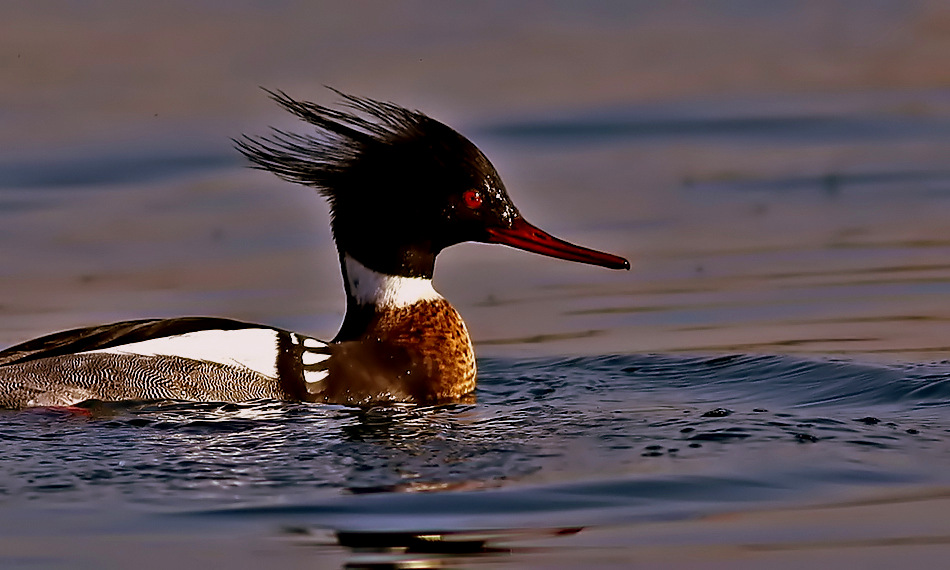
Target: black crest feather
393	177
319	160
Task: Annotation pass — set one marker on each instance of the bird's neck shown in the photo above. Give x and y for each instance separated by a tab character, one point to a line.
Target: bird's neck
405	335
369	292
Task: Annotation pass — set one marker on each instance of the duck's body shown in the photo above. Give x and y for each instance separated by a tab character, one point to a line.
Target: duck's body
401	341
401	187
179	359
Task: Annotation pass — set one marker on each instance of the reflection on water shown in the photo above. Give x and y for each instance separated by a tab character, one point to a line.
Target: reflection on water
552	446
104	171
537	422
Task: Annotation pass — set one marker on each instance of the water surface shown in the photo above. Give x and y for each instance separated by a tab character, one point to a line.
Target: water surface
552	447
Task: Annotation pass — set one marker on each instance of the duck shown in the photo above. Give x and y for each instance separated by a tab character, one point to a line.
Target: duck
401	188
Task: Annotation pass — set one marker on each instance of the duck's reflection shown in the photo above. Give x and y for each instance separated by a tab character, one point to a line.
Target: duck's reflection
383	550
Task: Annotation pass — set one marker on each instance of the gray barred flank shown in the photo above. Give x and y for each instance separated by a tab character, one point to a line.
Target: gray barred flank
68	380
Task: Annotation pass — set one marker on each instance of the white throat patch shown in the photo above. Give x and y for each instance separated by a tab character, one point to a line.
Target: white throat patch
371	288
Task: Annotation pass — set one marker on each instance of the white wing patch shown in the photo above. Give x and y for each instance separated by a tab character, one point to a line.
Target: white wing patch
311	358
255	349
371	288
315	376
314	353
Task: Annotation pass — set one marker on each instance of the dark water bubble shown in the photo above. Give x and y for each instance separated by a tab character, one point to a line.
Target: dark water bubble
717	413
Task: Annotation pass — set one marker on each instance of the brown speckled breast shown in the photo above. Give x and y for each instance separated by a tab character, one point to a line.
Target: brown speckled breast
420	353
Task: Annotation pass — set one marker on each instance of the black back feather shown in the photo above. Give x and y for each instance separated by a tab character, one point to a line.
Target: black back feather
115	334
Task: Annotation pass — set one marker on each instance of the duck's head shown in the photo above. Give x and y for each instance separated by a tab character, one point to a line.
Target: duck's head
401	186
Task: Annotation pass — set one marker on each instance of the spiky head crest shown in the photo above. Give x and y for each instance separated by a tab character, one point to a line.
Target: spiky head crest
395	179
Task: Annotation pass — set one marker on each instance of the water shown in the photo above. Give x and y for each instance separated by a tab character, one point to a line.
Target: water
552	446
768	386
562	423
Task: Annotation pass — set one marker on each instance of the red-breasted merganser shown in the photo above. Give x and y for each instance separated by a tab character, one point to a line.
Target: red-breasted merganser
402	187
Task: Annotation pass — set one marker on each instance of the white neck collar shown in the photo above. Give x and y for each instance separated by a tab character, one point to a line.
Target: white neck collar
369	287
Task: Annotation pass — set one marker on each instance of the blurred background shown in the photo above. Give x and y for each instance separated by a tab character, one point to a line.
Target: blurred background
777	172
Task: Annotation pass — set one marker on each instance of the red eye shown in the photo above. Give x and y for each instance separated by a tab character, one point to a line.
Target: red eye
473	198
